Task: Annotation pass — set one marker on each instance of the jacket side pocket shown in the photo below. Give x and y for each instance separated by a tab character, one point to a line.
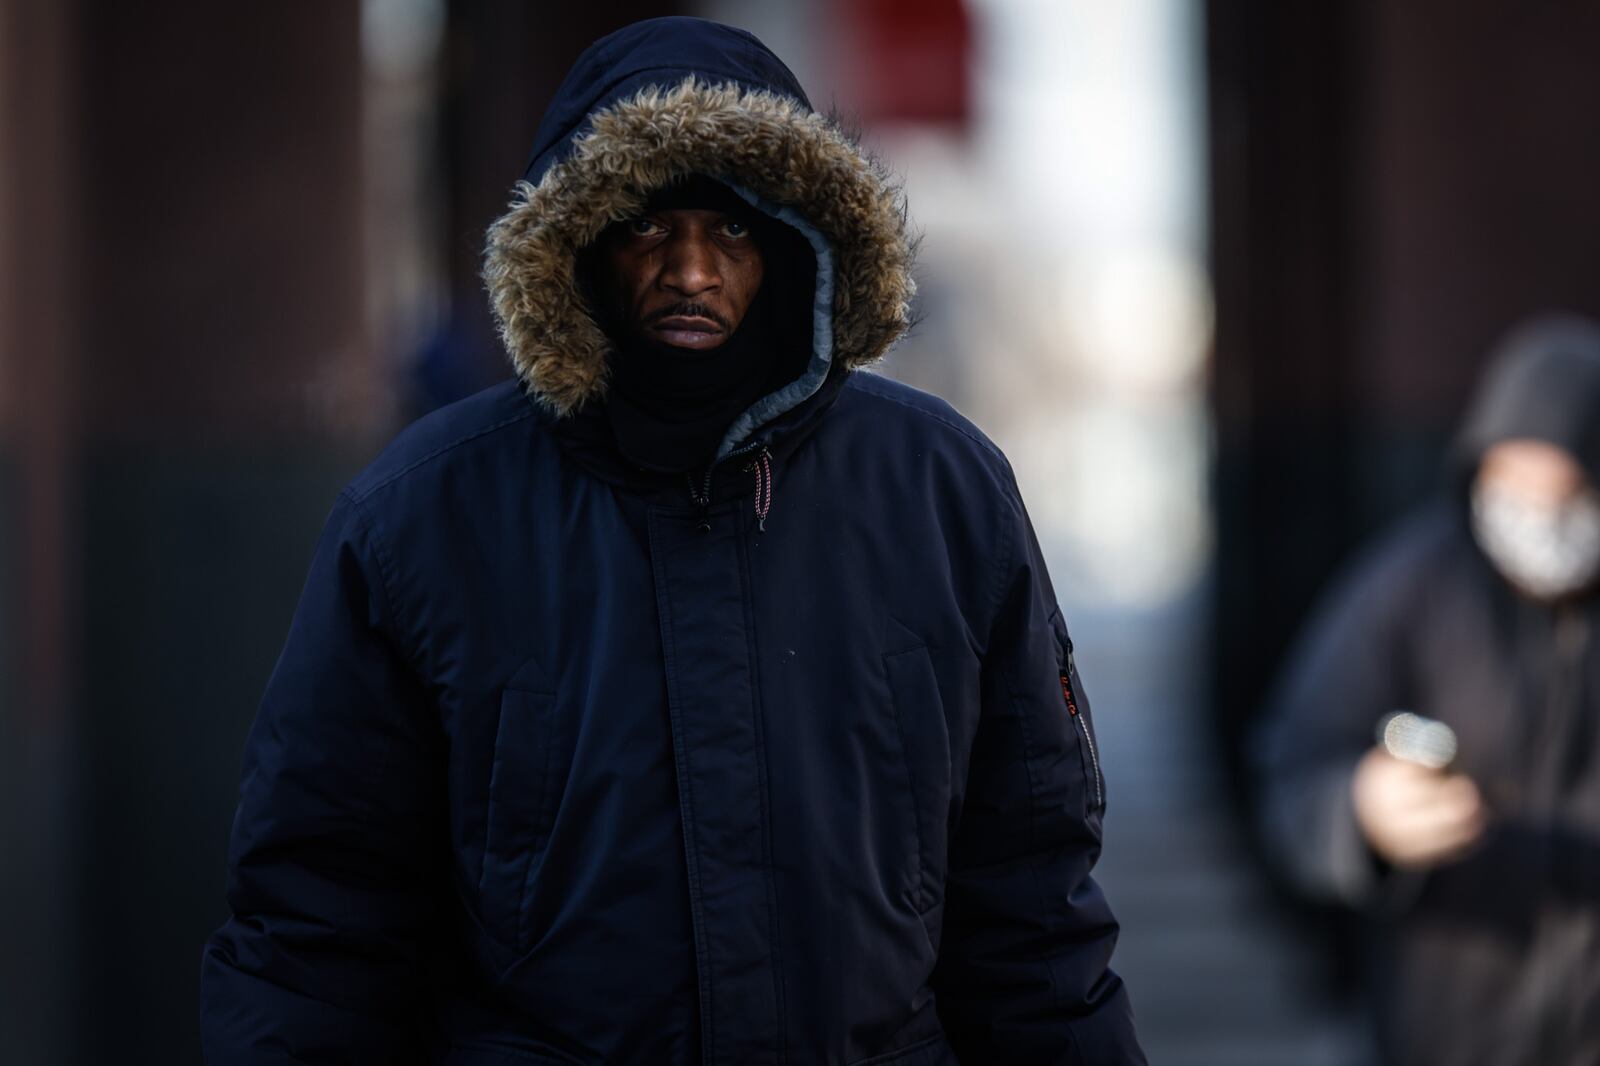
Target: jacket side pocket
925	745
520	812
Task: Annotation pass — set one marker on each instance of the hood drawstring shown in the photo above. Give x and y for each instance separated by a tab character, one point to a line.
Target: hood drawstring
763	465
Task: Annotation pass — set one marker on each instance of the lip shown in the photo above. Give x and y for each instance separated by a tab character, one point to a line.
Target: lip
688	332
686	324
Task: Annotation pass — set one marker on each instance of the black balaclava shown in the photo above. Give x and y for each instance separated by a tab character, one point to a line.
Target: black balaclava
669	407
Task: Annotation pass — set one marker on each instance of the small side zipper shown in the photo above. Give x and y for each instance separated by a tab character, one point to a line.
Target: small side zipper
1082	727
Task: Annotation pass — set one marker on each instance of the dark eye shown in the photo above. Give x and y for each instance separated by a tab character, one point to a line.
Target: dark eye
642	227
735	229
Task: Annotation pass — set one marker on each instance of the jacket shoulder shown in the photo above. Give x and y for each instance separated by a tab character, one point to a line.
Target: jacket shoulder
1411	553
1381	596
905	414
441	435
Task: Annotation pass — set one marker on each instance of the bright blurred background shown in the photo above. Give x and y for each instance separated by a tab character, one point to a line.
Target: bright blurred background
1217	276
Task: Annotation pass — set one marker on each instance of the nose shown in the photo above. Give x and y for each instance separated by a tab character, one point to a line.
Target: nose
690	266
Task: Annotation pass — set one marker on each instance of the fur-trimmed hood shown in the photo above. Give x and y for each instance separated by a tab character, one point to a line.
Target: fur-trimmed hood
653	102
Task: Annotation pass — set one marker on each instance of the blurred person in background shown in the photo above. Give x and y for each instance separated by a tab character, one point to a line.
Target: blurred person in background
1472	847
693	697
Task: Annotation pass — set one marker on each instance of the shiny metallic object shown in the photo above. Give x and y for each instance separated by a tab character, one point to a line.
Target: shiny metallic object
1424	741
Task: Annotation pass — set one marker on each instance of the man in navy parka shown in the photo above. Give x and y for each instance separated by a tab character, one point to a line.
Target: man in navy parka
571	757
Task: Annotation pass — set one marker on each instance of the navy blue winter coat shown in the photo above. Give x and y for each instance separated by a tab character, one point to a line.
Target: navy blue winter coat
566	761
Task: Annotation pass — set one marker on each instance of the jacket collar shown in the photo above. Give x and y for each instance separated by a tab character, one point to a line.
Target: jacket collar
587	440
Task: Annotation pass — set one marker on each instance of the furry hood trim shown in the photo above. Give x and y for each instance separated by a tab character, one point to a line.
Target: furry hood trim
760	140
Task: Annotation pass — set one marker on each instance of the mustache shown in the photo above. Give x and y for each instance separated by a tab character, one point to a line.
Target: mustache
688	310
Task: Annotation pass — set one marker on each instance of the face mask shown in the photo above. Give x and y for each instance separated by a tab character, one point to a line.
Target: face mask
1549	551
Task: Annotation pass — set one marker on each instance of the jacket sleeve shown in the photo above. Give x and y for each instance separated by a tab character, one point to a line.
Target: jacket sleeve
331	859
1344	672
1023	973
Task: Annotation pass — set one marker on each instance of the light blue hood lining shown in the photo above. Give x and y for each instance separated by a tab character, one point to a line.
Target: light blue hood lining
803	387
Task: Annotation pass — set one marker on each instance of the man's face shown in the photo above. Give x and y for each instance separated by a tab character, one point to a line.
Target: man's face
1538	518
1540	474
680	276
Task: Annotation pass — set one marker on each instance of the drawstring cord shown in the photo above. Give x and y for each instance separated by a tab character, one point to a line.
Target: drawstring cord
701	494
763	465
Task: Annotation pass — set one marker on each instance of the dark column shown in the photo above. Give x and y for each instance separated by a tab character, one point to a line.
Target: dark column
186	383
1284	96
227	383
39	354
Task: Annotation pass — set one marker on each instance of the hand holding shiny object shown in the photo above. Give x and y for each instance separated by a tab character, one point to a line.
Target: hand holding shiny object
1412	812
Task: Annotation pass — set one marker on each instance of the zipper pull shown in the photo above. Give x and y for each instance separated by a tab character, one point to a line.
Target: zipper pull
701	500
1066	683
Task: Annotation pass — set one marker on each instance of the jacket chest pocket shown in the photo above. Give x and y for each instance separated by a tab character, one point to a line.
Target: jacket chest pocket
923	739
525	785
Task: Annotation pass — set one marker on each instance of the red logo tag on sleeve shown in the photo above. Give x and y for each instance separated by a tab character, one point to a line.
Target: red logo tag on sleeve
1066	694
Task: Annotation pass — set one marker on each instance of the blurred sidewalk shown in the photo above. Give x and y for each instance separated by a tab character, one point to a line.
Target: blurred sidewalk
1217	977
